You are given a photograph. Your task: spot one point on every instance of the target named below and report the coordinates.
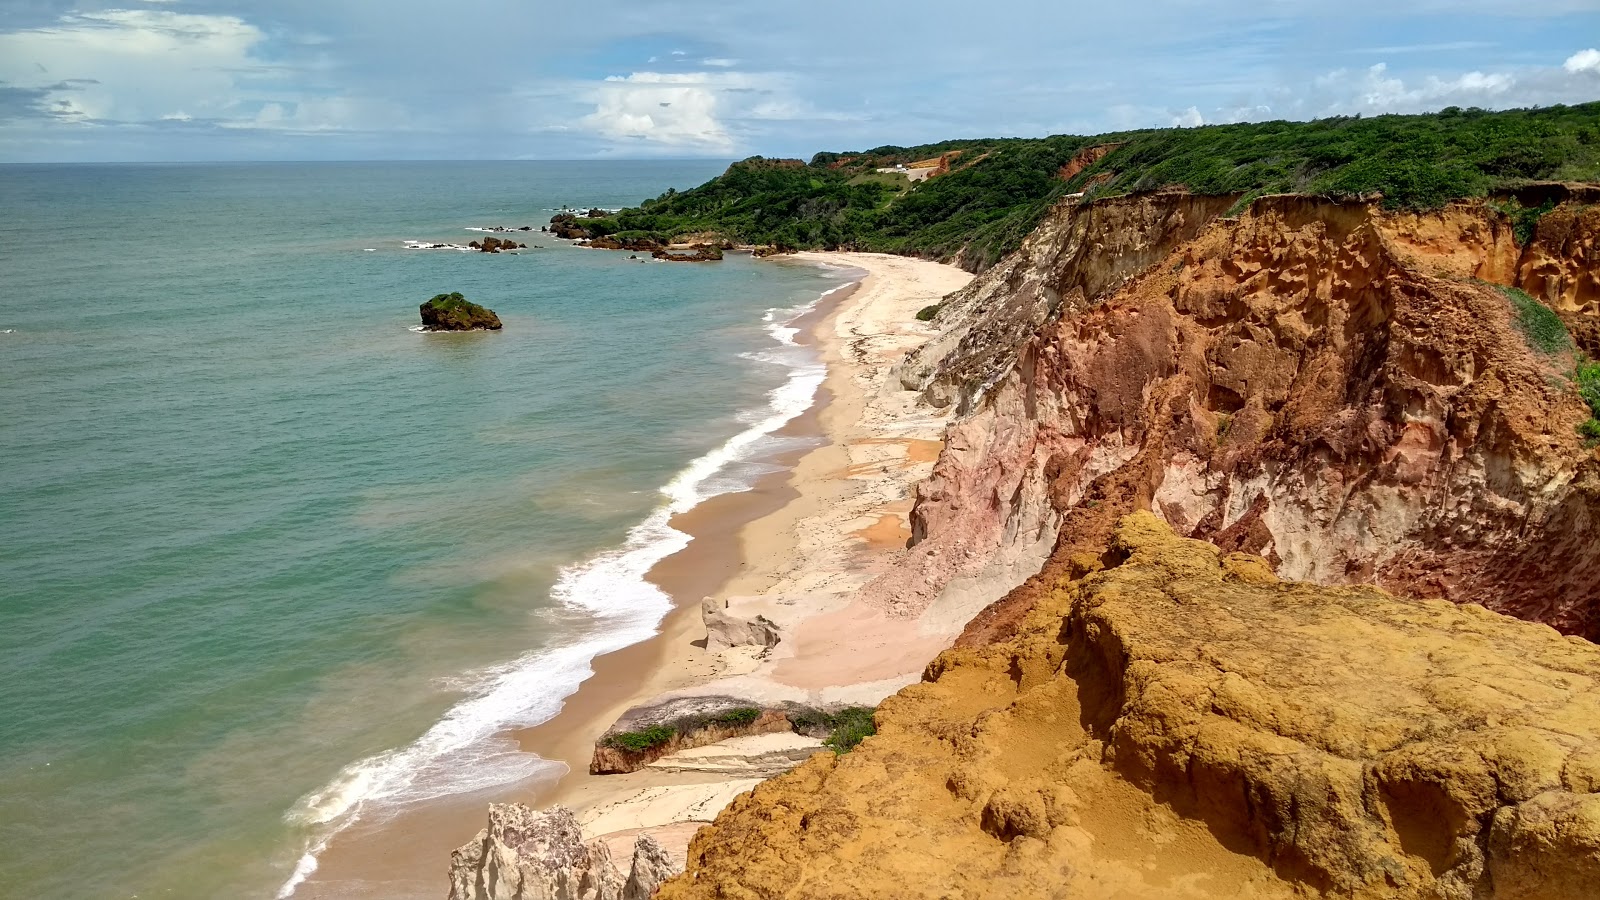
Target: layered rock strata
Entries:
(1335, 387)
(1184, 724)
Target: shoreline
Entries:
(736, 545)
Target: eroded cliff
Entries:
(1184, 724)
(1341, 389)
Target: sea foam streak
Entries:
(461, 752)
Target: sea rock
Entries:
(495, 245)
(1183, 724)
(725, 631)
(565, 225)
(453, 312)
(541, 855)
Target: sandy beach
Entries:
(796, 548)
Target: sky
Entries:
(187, 80)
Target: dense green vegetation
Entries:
(1588, 378)
(656, 735)
(1538, 323)
(742, 716)
(997, 190)
(643, 739)
(850, 727)
(843, 729)
(1546, 333)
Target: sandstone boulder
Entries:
(541, 855)
(725, 631)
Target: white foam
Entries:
(462, 752)
(434, 245)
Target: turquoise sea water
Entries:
(269, 559)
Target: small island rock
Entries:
(453, 312)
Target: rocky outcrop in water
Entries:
(495, 245)
(453, 312)
(566, 225)
(1173, 721)
(529, 855)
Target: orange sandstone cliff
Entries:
(1337, 388)
(1244, 511)
(1277, 548)
(1183, 724)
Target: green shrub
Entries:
(1538, 323)
(643, 739)
(1525, 219)
(742, 716)
(1588, 379)
(927, 313)
(850, 727)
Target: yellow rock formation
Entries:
(1182, 724)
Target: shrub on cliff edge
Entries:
(850, 727)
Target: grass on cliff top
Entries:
(643, 739)
(840, 731)
(998, 190)
(656, 735)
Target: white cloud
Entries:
(138, 66)
(133, 64)
(1583, 61)
(1376, 90)
(707, 112)
(1189, 118)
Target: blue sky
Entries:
(557, 79)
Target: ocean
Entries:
(271, 560)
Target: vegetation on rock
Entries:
(643, 739)
(850, 727)
(453, 312)
(996, 191)
(1538, 323)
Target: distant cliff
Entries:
(974, 201)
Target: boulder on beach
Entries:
(453, 312)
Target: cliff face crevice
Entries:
(1185, 724)
(1331, 386)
